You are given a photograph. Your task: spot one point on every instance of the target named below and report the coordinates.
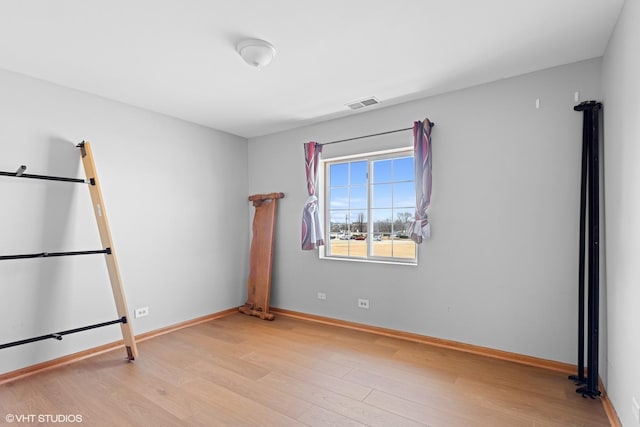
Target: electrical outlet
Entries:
(636, 409)
(322, 295)
(363, 303)
(141, 312)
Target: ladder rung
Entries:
(58, 335)
(55, 254)
(19, 174)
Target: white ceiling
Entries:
(178, 57)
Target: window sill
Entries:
(370, 261)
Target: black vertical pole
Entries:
(589, 118)
(594, 255)
(579, 378)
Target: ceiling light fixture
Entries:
(256, 53)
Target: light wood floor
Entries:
(242, 371)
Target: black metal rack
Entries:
(105, 237)
(589, 252)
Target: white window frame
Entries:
(324, 203)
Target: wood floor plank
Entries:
(177, 400)
(284, 403)
(498, 373)
(111, 402)
(303, 355)
(337, 385)
(316, 416)
(429, 400)
(243, 407)
(170, 367)
(447, 415)
(535, 404)
(184, 346)
(415, 391)
(334, 402)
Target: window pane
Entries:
(382, 220)
(339, 198)
(401, 222)
(358, 172)
(403, 169)
(381, 196)
(338, 221)
(339, 174)
(339, 246)
(382, 247)
(404, 248)
(358, 248)
(358, 221)
(381, 171)
(358, 197)
(404, 195)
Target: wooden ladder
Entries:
(110, 256)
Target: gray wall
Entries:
(175, 194)
(500, 270)
(621, 88)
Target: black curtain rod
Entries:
(369, 136)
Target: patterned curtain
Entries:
(312, 236)
(420, 229)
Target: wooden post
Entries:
(261, 258)
(110, 256)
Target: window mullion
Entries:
(347, 216)
(393, 209)
(369, 238)
(326, 197)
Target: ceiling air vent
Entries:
(363, 103)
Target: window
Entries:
(369, 205)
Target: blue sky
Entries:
(392, 187)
